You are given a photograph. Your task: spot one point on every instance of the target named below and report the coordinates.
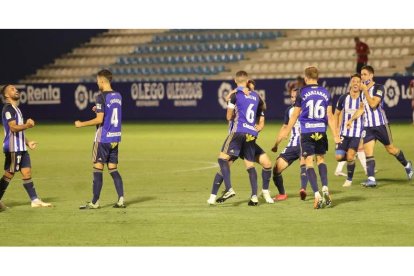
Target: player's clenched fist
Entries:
(30, 123)
(78, 124)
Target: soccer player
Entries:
(108, 135)
(376, 125)
(313, 107)
(290, 154)
(346, 107)
(242, 109)
(260, 155)
(15, 146)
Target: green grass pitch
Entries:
(168, 171)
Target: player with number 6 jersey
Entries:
(108, 120)
(242, 110)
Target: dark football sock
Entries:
(401, 158)
(97, 184)
(218, 179)
(253, 180)
(29, 186)
(119, 185)
(225, 172)
(323, 173)
(266, 175)
(310, 173)
(350, 166)
(4, 183)
(278, 180)
(303, 177)
(371, 166)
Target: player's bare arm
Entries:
(284, 132)
(337, 117)
(278, 139)
(332, 124)
(260, 124)
(16, 128)
(356, 115)
(31, 144)
(96, 121)
(373, 102)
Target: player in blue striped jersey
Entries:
(350, 130)
(290, 154)
(376, 126)
(108, 122)
(313, 107)
(15, 147)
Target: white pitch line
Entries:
(211, 166)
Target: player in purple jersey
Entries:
(108, 135)
(290, 154)
(242, 109)
(313, 107)
(260, 155)
(15, 147)
(350, 131)
(376, 126)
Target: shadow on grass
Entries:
(134, 201)
(348, 199)
(27, 202)
(392, 181)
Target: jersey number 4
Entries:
(114, 117)
(316, 111)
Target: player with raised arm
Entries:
(260, 155)
(108, 135)
(376, 126)
(313, 107)
(15, 146)
(242, 109)
(290, 154)
(350, 135)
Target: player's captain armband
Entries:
(230, 105)
(8, 115)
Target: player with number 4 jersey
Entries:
(108, 135)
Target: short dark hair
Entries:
(3, 89)
(242, 74)
(106, 74)
(251, 82)
(369, 68)
(356, 75)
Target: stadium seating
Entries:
(333, 51)
(135, 55)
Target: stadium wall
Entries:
(197, 100)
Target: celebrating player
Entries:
(313, 107)
(346, 107)
(289, 154)
(242, 109)
(260, 155)
(15, 147)
(108, 135)
(376, 126)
